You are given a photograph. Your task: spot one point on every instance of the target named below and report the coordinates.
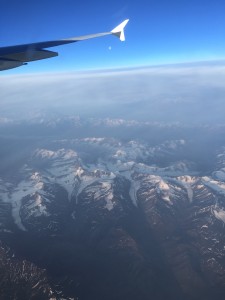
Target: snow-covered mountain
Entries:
(115, 214)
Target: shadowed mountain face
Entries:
(89, 210)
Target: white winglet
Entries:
(119, 30)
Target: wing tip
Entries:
(119, 30)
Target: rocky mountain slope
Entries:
(115, 218)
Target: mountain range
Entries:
(111, 209)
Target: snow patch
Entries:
(217, 186)
(15, 196)
(135, 186)
(163, 190)
(220, 175)
(106, 190)
(220, 215)
(187, 182)
(37, 207)
(61, 153)
(204, 226)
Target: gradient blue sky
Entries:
(159, 31)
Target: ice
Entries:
(220, 175)
(107, 186)
(63, 169)
(61, 153)
(163, 190)
(64, 175)
(37, 207)
(31, 186)
(135, 186)
(220, 215)
(93, 140)
(204, 226)
(187, 182)
(85, 182)
(217, 186)
(43, 153)
(175, 170)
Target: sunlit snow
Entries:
(220, 215)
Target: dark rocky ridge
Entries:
(110, 218)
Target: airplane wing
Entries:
(16, 56)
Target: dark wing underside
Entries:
(15, 56)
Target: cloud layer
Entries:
(191, 93)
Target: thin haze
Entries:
(190, 94)
(158, 32)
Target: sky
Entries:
(125, 80)
(159, 32)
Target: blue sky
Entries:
(159, 31)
